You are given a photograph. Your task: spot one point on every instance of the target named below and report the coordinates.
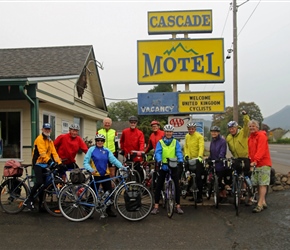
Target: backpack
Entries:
(132, 200)
(77, 176)
(12, 168)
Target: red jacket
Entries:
(153, 139)
(132, 139)
(67, 147)
(259, 149)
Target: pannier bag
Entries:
(77, 176)
(136, 156)
(132, 200)
(172, 162)
(12, 168)
(272, 176)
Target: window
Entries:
(10, 134)
(50, 118)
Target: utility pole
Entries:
(235, 64)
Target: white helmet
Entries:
(100, 137)
(168, 127)
(74, 126)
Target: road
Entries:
(280, 155)
(203, 228)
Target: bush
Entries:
(285, 141)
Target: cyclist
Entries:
(68, 145)
(194, 148)
(237, 141)
(260, 158)
(155, 136)
(218, 151)
(132, 139)
(111, 143)
(44, 155)
(167, 147)
(96, 161)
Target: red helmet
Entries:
(155, 123)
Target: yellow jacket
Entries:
(44, 150)
(194, 145)
(238, 144)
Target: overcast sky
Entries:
(113, 28)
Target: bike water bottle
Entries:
(105, 195)
(248, 181)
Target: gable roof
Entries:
(43, 62)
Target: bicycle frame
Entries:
(101, 205)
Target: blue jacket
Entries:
(158, 151)
(217, 150)
(98, 158)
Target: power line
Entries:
(249, 17)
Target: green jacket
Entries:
(238, 144)
(111, 135)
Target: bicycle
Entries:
(132, 200)
(189, 177)
(133, 160)
(212, 182)
(14, 190)
(237, 186)
(168, 193)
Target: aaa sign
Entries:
(180, 61)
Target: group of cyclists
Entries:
(102, 158)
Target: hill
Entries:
(280, 119)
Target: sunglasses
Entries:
(133, 122)
(100, 141)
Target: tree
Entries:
(121, 111)
(222, 120)
(162, 87)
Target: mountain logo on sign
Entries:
(174, 49)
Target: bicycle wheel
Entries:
(13, 192)
(194, 190)
(133, 176)
(153, 182)
(50, 198)
(170, 201)
(133, 201)
(77, 202)
(237, 194)
(216, 191)
(163, 197)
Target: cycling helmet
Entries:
(168, 127)
(191, 124)
(215, 128)
(74, 126)
(155, 123)
(232, 124)
(100, 137)
(133, 119)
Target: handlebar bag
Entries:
(77, 176)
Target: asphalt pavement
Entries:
(203, 228)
